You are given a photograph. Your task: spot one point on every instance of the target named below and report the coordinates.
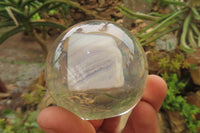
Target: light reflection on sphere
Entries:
(96, 69)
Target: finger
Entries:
(110, 125)
(96, 123)
(155, 91)
(59, 120)
(142, 120)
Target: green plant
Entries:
(184, 18)
(26, 122)
(34, 97)
(26, 15)
(13, 122)
(170, 62)
(19, 14)
(174, 101)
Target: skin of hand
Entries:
(143, 118)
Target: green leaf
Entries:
(38, 9)
(27, 2)
(177, 3)
(7, 24)
(36, 17)
(4, 4)
(137, 15)
(163, 23)
(13, 1)
(11, 33)
(22, 14)
(154, 23)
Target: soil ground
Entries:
(21, 60)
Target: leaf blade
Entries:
(10, 33)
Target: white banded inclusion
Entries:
(96, 70)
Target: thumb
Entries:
(60, 120)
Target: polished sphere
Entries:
(96, 69)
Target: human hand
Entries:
(143, 118)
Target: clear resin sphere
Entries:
(96, 70)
